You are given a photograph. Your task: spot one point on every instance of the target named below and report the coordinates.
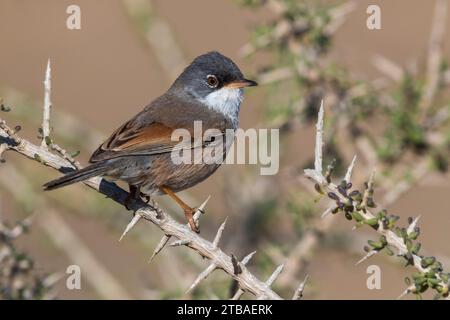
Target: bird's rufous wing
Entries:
(149, 139)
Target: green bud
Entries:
(420, 281)
(37, 157)
(417, 275)
(316, 186)
(357, 216)
(381, 214)
(371, 203)
(354, 193)
(437, 266)
(333, 196)
(445, 291)
(375, 244)
(445, 276)
(432, 282)
(357, 197)
(409, 259)
(75, 154)
(413, 235)
(5, 108)
(48, 140)
(427, 261)
(373, 222)
(415, 248)
(409, 244)
(407, 281)
(388, 251)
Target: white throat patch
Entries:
(226, 101)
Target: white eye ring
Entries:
(211, 81)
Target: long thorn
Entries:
(159, 247)
(348, 174)
(247, 258)
(130, 225)
(179, 243)
(201, 208)
(274, 275)
(202, 276)
(47, 105)
(407, 291)
(299, 292)
(319, 141)
(327, 212)
(367, 256)
(219, 233)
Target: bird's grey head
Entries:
(215, 81)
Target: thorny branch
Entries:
(63, 162)
(355, 206)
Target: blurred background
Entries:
(386, 98)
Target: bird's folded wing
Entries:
(133, 140)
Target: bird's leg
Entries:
(188, 211)
(146, 198)
(134, 194)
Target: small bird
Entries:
(209, 90)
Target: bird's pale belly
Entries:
(177, 177)
(153, 172)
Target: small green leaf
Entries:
(373, 222)
(388, 251)
(357, 216)
(427, 261)
(415, 248)
(75, 154)
(407, 281)
(48, 140)
(316, 186)
(5, 108)
(37, 157)
(375, 244)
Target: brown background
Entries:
(105, 73)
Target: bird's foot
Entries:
(145, 198)
(129, 200)
(189, 214)
(133, 195)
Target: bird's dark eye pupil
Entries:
(212, 81)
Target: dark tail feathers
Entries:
(93, 170)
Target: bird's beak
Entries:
(242, 83)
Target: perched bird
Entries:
(209, 90)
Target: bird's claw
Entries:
(189, 214)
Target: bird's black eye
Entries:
(212, 81)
